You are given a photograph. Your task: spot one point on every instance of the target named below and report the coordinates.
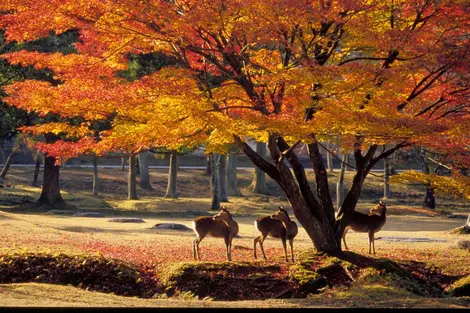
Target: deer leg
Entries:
(195, 254)
(263, 237)
(344, 238)
(285, 248)
(371, 242)
(257, 239)
(227, 246)
(291, 243)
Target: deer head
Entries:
(280, 215)
(224, 215)
(379, 209)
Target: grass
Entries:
(169, 251)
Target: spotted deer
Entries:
(220, 225)
(370, 224)
(278, 225)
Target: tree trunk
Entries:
(329, 159)
(131, 181)
(340, 183)
(144, 170)
(223, 178)
(387, 194)
(6, 167)
(215, 182)
(208, 165)
(429, 197)
(258, 185)
(37, 168)
(95, 176)
(172, 176)
(50, 194)
(232, 183)
(123, 164)
(467, 224)
(2, 156)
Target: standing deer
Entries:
(220, 225)
(278, 225)
(364, 223)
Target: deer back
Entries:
(270, 226)
(207, 225)
(361, 222)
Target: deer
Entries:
(370, 224)
(278, 225)
(220, 225)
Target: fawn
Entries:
(278, 225)
(364, 223)
(220, 225)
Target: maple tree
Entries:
(371, 77)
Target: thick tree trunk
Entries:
(340, 183)
(223, 178)
(50, 194)
(232, 182)
(6, 167)
(258, 185)
(215, 182)
(95, 176)
(144, 170)
(171, 191)
(131, 181)
(387, 194)
(37, 168)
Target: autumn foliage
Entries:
(371, 76)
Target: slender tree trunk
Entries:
(429, 197)
(340, 183)
(131, 182)
(172, 177)
(232, 183)
(208, 165)
(37, 168)
(387, 194)
(123, 164)
(223, 178)
(2, 154)
(467, 224)
(6, 167)
(258, 185)
(95, 176)
(50, 194)
(329, 158)
(215, 182)
(144, 170)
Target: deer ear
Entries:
(281, 208)
(224, 209)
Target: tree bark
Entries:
(232, 183)
(223, 178)
(467, 224)
(387, 194)
(6, 167)
(429, 197)
(2, 154)
(95, 176)
(37, 168)
(144, 170)
(171, 191)
(215, 182)
(340, 183)
(50, 194)
(258, 185)
(131, 181)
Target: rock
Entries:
(173, 226)
(459, 216)
(126, 220)
(61, 212)
(463, 244)
(88, 214)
